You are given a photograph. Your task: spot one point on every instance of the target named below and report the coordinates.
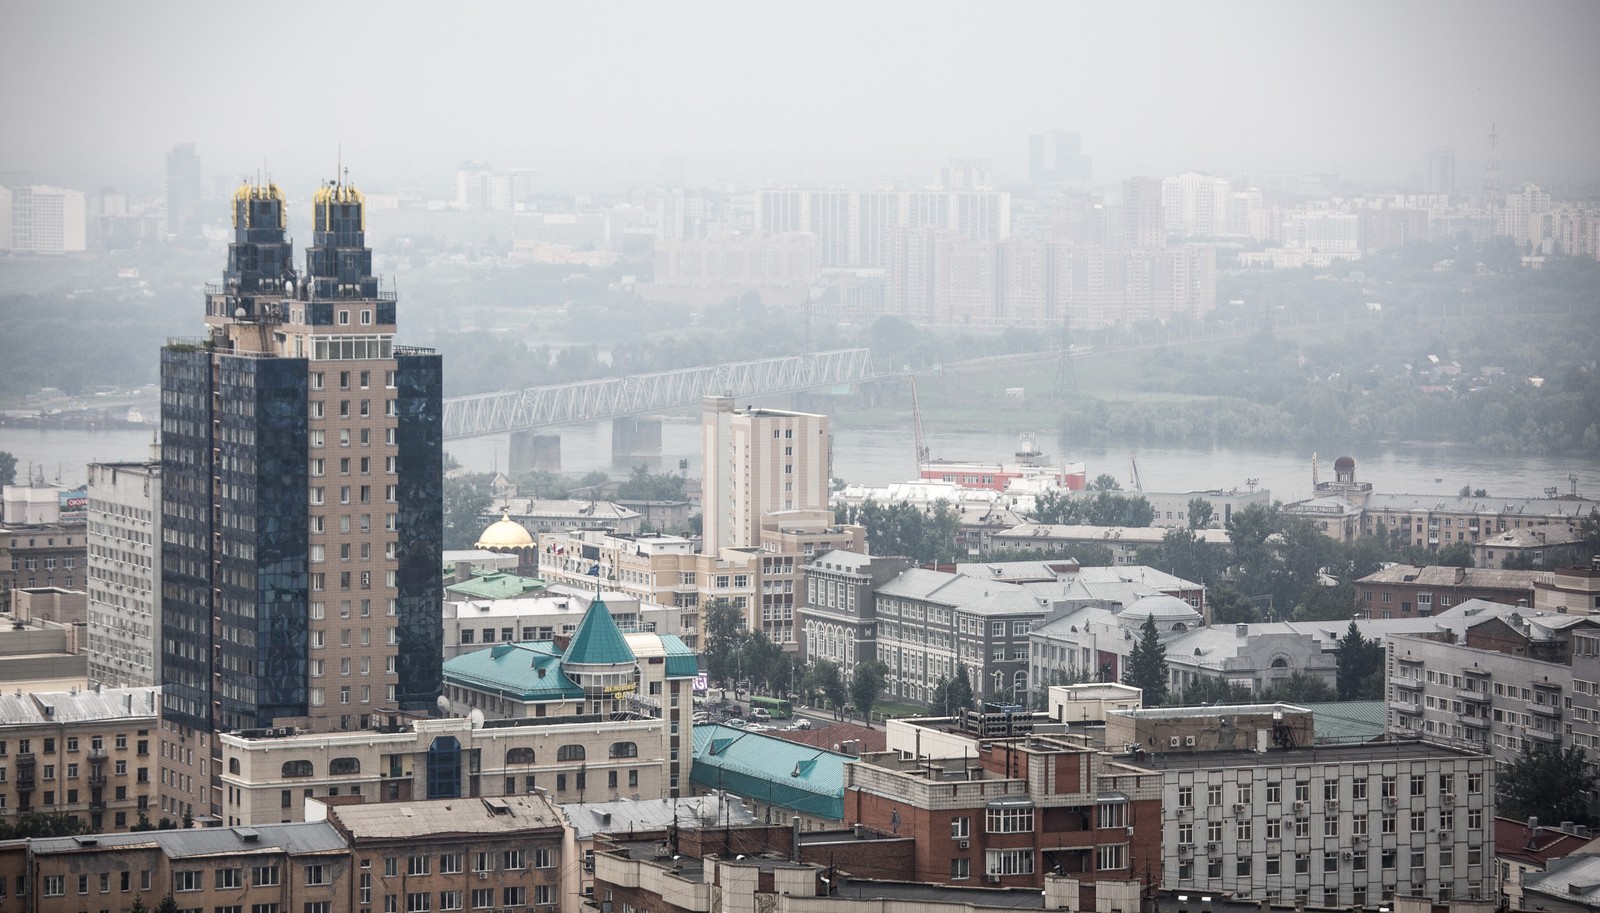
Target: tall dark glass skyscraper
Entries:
(301, 554)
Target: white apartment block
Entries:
(1509, 681)
(1333, 826)
(124, 574)
(1196, 205)
(759, 461)
(44, 220)
(855, 228)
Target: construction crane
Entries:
(916, 427)
(1133, 473)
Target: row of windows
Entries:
(1244, 793)
(1331, 827)
(72, 743)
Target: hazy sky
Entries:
(593, 94)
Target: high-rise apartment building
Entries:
(124, 574)
(1057, 157)
(758, 461)
(1196, 205)
(1442, 170)
(44, 220)
(1144, 219)
(301, 508)
(183, 192)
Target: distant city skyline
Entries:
(596, 100)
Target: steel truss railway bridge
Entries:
(585, 401)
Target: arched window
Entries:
(624, 750)
(1278, 662)
(297, 768)
(1020, 682)
(344, 766)
(519, 756)
(570, 753)
(233, 765)
(1179, 626)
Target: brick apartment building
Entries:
(1009, 811)
(1406, 591)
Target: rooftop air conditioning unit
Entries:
(1188, 741)
(992, 878)
(1174, 742)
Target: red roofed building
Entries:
(1524, 847)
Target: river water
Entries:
(879, 457)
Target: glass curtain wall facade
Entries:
(301, 568)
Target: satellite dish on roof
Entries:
(443, 703)
(475, 718)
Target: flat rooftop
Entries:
(1363, 751)
(691, 867)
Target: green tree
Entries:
(167, 905)
(1546, 782)
(1455, 554)
(1147, 665)
(644, 485)
(865, 686)
(1360, 672)
(1208, 690)
(8, 468)
(42, 824)
(724, 627)
(1184, 554)
(1326, 603)
(825, 677)
(138, 905)
(1200, 513)
(952, 695)
(466, 501)
(1300, 688)
(1229, 606)
(1105, 481)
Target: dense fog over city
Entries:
(596, 94)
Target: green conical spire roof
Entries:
(597, 642)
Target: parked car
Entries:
(760, 713)
(735, 722)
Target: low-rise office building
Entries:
(838, 612)
(1334, 825)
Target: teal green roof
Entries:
(765, 769)
(495, 585)
(682, 662)
(597, 642)
(523, 672)
(1347, 721)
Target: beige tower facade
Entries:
(758, 461)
